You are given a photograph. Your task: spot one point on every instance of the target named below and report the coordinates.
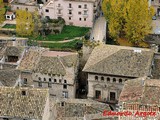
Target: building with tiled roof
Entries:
(24, 103)
(58, 72)
(141, 95)
(77, 109)
(109, 66)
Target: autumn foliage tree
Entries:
(129, 19)
(24, 23)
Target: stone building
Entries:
(109, 66)
(75, 12)
(155, 4)
(141, 95)
(58, 72)
(50, 69)
(24, 104)
(77, 109)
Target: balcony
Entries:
(70, 8)
(59, 14)
(59, 7)
(85, 15)
(70, 15)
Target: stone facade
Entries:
(155, 4)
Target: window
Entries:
(70, 5)
(65, 94)
(120, 80)
(97, 94)
(23, 92)
(17, 8)
(84, 19)
(46, 0)
(39, 78)
(79, 13)
(85, 6)
(44, 79)
(85, 12)
(65, 81)
(79, 19)
(47, 10)
(60, 80)
(59, 5)
(26, 9)
(69, 18)
(108, 79)
(62, 103)
(102, 78)
(50, 80)
(70, 12)
(25, 81)
(114, 79)
(79, 6)
(49, 85)
(112, 96)
(64, 86)
(96, 77)
(39, 84)
(55, 80)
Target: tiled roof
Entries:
(17, 105)
(9, 77)
(29, 60)
(77, 108)
(14, 51)
(142, 90)
(56, 63)
(120, 60)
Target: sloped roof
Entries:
(142, 90)
(14, 104)
(9, 77)
(29, 60)
(119, 60)
(53, 62)
(14, 51)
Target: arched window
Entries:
(120, 80)
(50, 80)
(102, 78)
(114, 79)
(108, 79)
(96, 77)
(44, 79)
(39, 78)
(55, 80)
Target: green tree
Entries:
(24, 23)
(129, 19)
(2, 11)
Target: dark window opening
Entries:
(62, 103)
(25, 81)
(49, 85)
(96, 77)
(55, 80)
(102, 78)
(120, 80)
(47, 10)
(23, 92)
(64, 86)
(79, 19)
(65, 81)
(39, 84)
(12, 58)
(70, 5)
(50, 80)
(79, 6)
(84, 19)
(69, 18)
(60, 80)
(39, 78)
(97, 94)
(108, 79)
(112, 96)
(44, 79)
(114, 79)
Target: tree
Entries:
(129, 19)
(138, 20)
(24, 23)
(2, 11)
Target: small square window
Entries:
(79, 6)
(47, 10)
(55, 80)
(50, 80)
(79, 13)
(69, 18)
(23, 92)
(65, 81)
(60, 80)
(79, 19)
(39, 84)
(84, 19)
